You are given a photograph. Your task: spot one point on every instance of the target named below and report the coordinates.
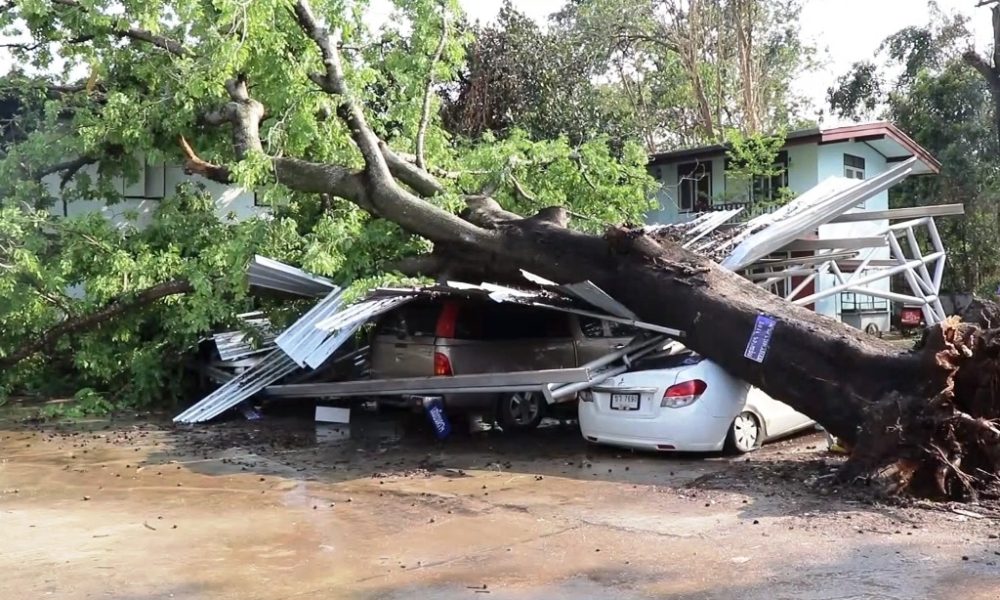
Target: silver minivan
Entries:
(464, 336)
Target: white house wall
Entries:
(142, 197)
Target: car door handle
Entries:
(618, 346)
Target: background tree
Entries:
(693, 69)
(926, 85)
(520, 75)
(666, 72)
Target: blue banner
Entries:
(438, 418)
(760, 338)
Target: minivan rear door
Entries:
(597, 337)
(403, 344)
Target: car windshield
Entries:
(667, 361)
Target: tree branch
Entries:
(134, 33)
(68, 168)
(385, 198)
(299, 175)
(115, 309)
(334, 82)
(977, 62)
(425, 111)
(418, 179)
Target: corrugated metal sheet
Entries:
(242, 387)
(586, 291)
(595, 296)
(302, 338)
(820, 205)
(690, 232)
(268, 273)
(361, 312)
(341, 325)
(233, 345)
(499, 293)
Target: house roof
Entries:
(883, 137)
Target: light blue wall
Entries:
(667, 194)
(831, 163)
(803, 174)
(808, 165)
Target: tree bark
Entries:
(990, 71)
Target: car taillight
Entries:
(683, 394)
(442, 366)
(447, 320)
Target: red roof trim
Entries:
(881, 129)
(862, 132)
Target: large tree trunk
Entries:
(924, 412)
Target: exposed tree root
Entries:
(946, 446)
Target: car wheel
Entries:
(521, 410)
(745, 434)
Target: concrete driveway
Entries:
(279, 510)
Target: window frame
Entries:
(690, 192)
(855, 165)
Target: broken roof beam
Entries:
(513, 380)
(857, 243)
(916, 212)
(803, 260)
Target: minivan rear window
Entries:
(672, 361)
(414, 319)
(505, 321)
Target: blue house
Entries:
(699, 180)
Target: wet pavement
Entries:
(278, 509)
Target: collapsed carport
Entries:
(318, 339)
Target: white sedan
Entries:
(683, 402)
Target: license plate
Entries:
(625, 401)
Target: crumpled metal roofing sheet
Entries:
(499, 293)
(810, 210)
(302, 337)
(233, 345)
(268, 273)
(688, 233)
(248, 383)
(342, 324)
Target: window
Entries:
(766, 188)
(418, 318)
(851, 302)
(506, 321)
(854, 167)
(695, 181)
(592, 328)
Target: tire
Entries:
(745, 434)
(521, 411)
(873, 330)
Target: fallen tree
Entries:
(921, 421)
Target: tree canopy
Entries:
(102, 88)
